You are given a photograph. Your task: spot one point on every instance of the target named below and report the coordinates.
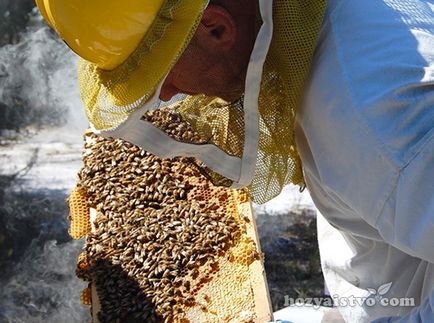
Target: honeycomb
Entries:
(82, 262)
(79, 216)
(86, 296)
(166, 245)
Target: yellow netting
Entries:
(296, 28)
(109, 96)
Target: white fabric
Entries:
(365, 133)
(252, 89)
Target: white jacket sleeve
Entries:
(365, 132)
(407, 219)
(422, 314)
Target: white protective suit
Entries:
(365, 133)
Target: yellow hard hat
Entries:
(102, 33)
(127, 47)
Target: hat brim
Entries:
(118, 92)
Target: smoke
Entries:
(38, 86)
(37, 258)
(40, 109)
(44, 287)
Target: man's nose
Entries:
(168, 90)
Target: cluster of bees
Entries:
(159, 231)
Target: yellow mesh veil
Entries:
(295, 33)
(110, 96)
(121, 92)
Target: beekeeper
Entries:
(338, 96)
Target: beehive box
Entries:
(163, 243)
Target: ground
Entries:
(289, 243)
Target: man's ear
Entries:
(217, 28)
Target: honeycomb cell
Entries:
(86, 296)
(82, 261)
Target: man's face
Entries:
(200, 72)
(187, 75)
(215, 61)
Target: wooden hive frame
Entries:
(230, 285)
